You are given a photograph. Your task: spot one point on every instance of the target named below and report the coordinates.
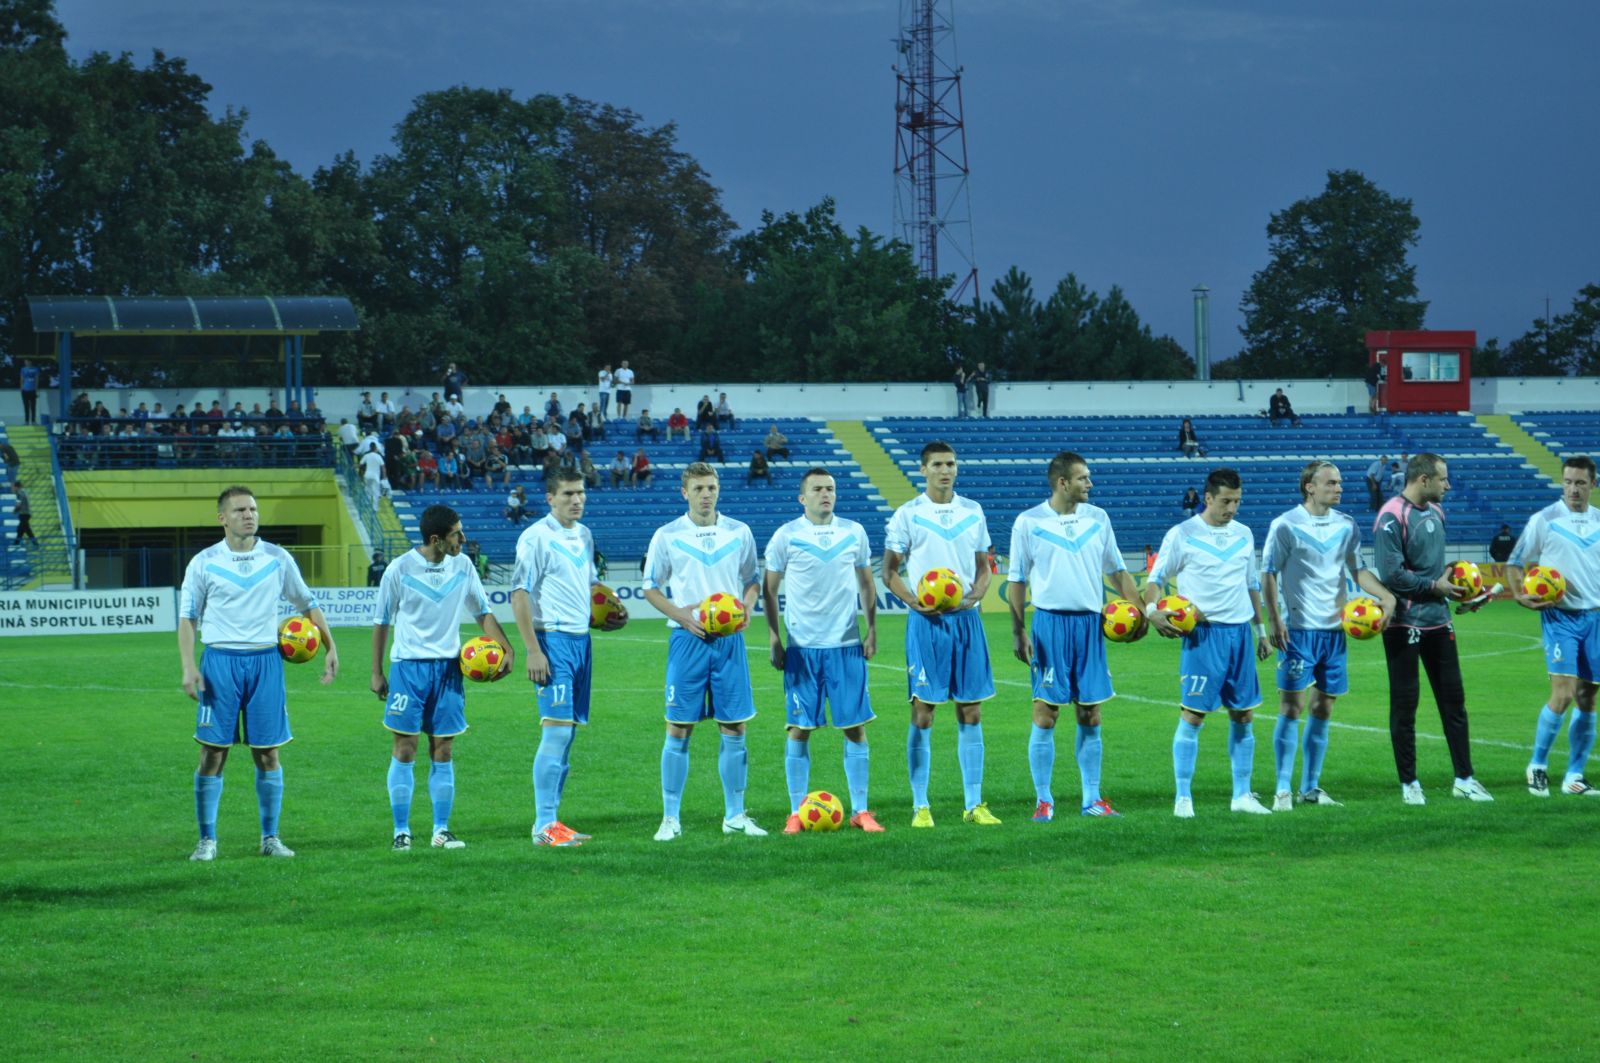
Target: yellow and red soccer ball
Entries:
(1544, 583)
(1119, 620)
(298, 639)
(821, 811)
(1466, 575)
(1361, 618)
(939, 589)
(603, 605)
(1183, 615)
(481, 658)
(721, 614)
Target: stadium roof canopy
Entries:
(260, 315)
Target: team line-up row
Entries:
(701, 572)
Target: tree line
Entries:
(535, 239)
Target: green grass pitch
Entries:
(1370, 931)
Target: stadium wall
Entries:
(860, 401)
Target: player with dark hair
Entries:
(947, 657)
(1213, 559)
(1410, 560)
(1062, 550)
(1311, 551)
(1564, 536)
(551, 593)
(421, 596)
(230, 597)
(824, 563)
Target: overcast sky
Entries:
(1142, 143)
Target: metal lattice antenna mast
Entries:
(932, 206)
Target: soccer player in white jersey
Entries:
(1310, 552)
(1061, 551)
(1565, 536)
(422, 596)
(230, 597)
(550, 595)
(824, 564)
(947, 657)
(1213, 559)
(691, 558)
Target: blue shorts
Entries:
(1217, 667)
(426, 696)
(566, 696)
(1572, 643)
(244, 702)
(1315, 657)
(708, 679)
(947, 658)
(837, 675)
(1069, 659)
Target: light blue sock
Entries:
(269, 795)
(1580, 739)
(1042, 761)
(442, 791)
(733, 765)
(969, 754)
(548, 769)
(855, 774)
(797, 770)
(1242, 754)
(207, 795)
(919, 752)
(402, 781)
(1185, 749)
(1089, 762)
(1316, 749)
(1544, 735)
(1285, 743)
(674, 773)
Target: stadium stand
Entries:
(1564, 432)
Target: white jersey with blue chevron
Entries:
(1063, 557)
(1569, 543)
(1215, 568)
(1311, 557)
(425, 603)
(821, 589)
(555, 565)
(929, 534)
(234, 597)
(688, 563)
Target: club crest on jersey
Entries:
(245, 564)
(947, 518)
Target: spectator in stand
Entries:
(375, 570)
(777, 445)
(24, 510)
(591, 475)
(959, 381)
(710, 446)
(474, 453)
(759, 469)
(386, 413)
(28, 378)
(448, 431)
(517, 505)
(479, 559)
(313, 416)
(454, 381)
(552, 464)
(980, 384)
(216, 413)
(410, 463)
(405, 422)
(372, 473)
(236, 416)
(1189, 441)
(449, 470)
(1278, 409)
(256, 413)
(623, 378)
(521, 452)
(1191, 501)
(574, 433)
(82, 407)
(620, 469)
(1501, 545)
(526, 418)
(552, 408)
(274, 412)
(1397, 478)
(642, 473)
(366, 414)
(678, 422)
(427, 469)
(1373, 376)
(646, 427)
(394, 449)
(1376, 475)
(603, 390)
(502, 409)
(705, 414)
(725, 417)
(580, 416)
(494, 465)
(141, 416)
(13, 462)
(179, 418)
(455, 408)
(554, 438)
